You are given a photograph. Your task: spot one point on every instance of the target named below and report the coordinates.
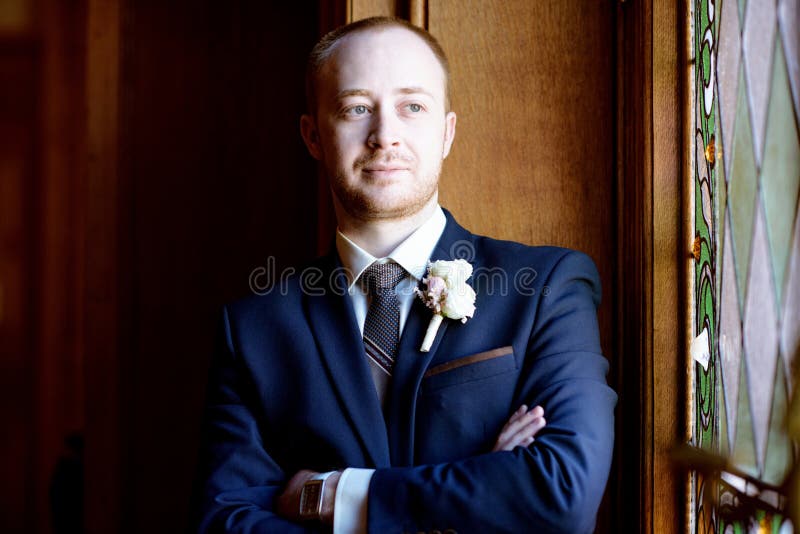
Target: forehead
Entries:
(382, 59)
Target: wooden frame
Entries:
(104, 288)
(650, 359)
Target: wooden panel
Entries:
(418, 13)
(196, 176)
(361, 9)
(19, 61)
(533, 159)
(103, 270)
(41, 155)
(214, 181)
(59, 203)
(415, 11)
(533, 156)
(632, 498)
(649, 496)
(16, 17)
(670, 255)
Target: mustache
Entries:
(383, 158)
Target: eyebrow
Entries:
(363, 92)
(414, 90)
(352, 92)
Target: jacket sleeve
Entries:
(556, 483)
(238, 481)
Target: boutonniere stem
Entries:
(430, 334)
(447, 294)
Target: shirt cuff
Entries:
(350, 503)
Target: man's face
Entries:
(381, 129)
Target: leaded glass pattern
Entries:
(746, 278)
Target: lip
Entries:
(386, 172)
(384, 168)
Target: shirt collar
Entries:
(412, 254)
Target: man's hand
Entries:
(520, 429)
(288, 504)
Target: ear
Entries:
(310, 133)
(449, 132)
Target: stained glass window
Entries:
(746, 279)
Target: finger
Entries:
(514, 441)
(516, 415)
(524, 433)
(530, 430)
(508, 427)
(537, 411)
(537, 424)
(512, 435)
(513, 428)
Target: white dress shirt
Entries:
(350, 506)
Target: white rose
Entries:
(456, 301)
(454, 272)
(459, 303)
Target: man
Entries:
(324, 412)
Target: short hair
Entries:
(323, 50)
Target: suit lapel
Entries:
(334, 325)
(411, 363)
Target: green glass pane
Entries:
(790, 315)
(779, 448)
(742, 7)
(730, 329)
(724, 445)
(728, 65)
(760, 335)
(744, 449)
(758, 44)
(742, 189)
(780, 172)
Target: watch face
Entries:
(311, 499)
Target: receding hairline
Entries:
(325, 48)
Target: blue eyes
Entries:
(361, 109)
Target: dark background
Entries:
(150, 159)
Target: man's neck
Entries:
(380, 237)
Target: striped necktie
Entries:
(382, 325)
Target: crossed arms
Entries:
(520, 430)
(553, 484)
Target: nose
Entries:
(384, 130)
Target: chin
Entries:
(375, 208)
(382, 201)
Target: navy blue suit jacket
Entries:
(290, 389)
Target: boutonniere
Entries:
(447, 294)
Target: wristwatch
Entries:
(311, 497)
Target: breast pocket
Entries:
(463, 404)
(469, 368)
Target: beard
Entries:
(370, 200)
